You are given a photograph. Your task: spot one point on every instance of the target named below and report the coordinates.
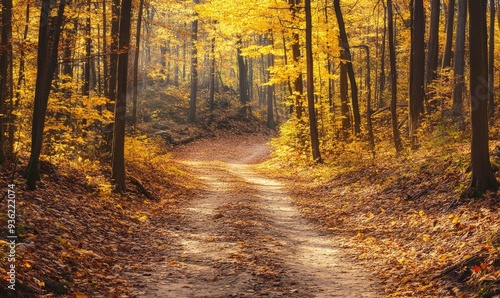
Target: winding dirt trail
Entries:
(243, 237)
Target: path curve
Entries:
(243, 236)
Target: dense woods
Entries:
(346, 85)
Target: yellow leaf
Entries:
(421, 213)
(143, 218)
(27, 265)
(426, 238)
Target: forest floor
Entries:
(242, 236)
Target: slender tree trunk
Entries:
(313, 126)
(105, 83)
(47, 63)
(433, 44)
(382, 62)
(270, 88)
(6, 85)
(344, 107)
(121, 99)
(394, 86)
(417, 68)
(459, 62)
(194, 68)
(211, 100)
(449, 34)
(346, 55)
(136, 63)
(482, 175)
(113, 58)
(243, 83)
(88, 53)
(491, 61)
(298, 84)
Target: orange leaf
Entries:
(476, 269)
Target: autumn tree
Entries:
(118, 163)
(482, 175)
(417, 67)
(6, 86)
(459, 61)
(394, 85)
(433, 43)
(346, 57)
(450, 18)
(313, 126)
(48, 45)
(136, 62)
(194, 68)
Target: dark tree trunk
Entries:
(243, 83)
(105, 83)
(344, 107)
(6, 86)
(88, 54)
(382, 61)
(449, 34)
(417, 68)
(313, 126)
(433, 44)
(211, 91)
(482, 175)
(394, 86)
(113, 58)
(46, 65)
(346, 56)
(459, 62)
(270, 95)
(298, 84)
(491, 62)
(121, 99)
(194, 69)
(136, 63)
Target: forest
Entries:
(264, 148)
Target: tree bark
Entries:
(313, 126)
(46, 65)
(482, 175)
(417, 68)
(194, 69)
(242, 75)
(6, 85)
(298, 84)
(394, 86)
(433, 44)
(449, 34)
(491, 62)
(136, 63)
(121, 99)
(459, 62)
(211, 99)
(346, 56)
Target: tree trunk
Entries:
(46, 65)
(88, 54)
(211, 100)
(298, 84)
(449, 34)
(113, 58)
(417, 68)
(6, 85)
(194, 68)
(136, 63)
(482, 175)
(243, 83)
(459, 62)
(344, 107)
(121, 99)
(491, 62)
(382, 62)
(433, 44)
(346, 56)
(394, 86)
(313, 126)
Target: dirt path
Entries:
(243, 237)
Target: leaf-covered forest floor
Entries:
(395, 222)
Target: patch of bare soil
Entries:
(243, 237)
